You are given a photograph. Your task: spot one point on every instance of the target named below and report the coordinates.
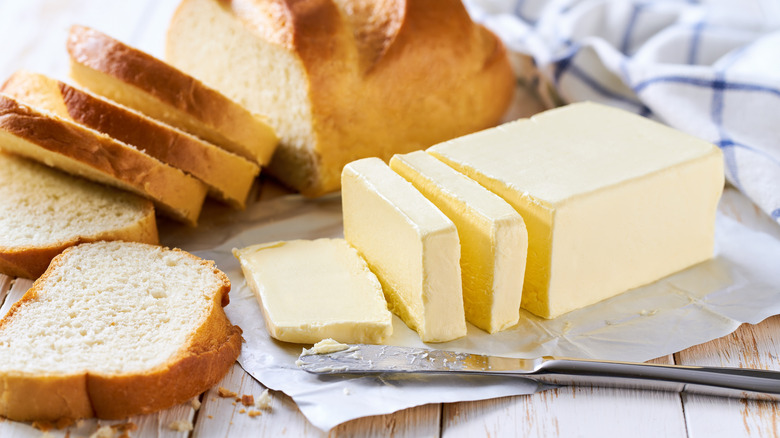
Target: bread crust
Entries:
(228, 176)
(29, 132)
(202, 361)
(223, 121)
(401, 77)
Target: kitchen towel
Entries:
(709, 68)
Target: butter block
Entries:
(409, 244)
(493, 239)
(611, 200)
(310, 290)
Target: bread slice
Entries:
(346, 79)
(43, 211)
(114, 329)
(228, 176)
(142, 82)
(68, 146)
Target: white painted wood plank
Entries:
(751, 346)
(569, 411)
(221, 417)
(422, 421)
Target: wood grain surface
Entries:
(34, 35)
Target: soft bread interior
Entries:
(265, 77)
(109, 308)
(40, 206)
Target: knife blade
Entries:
(384, 359)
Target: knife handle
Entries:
(728, 382)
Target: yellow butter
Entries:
(493, 239)
(310, 290)
(409, 244)
(611, 200)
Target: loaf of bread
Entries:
(140, 81)
(345, 79)
(114, 329)
(228, 176)
(60, 143)
(44, 211)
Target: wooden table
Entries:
(34, 33)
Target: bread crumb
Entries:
(241, 411)
(247, 399)
(124, 428)
(253, 413)
(195, 403)
(264, 401)
(238, 399)
(43, 426)
(104, 432)
(234, 403)
(181, 426)
(211, 417)
(225, 393)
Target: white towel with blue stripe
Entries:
(709, 68)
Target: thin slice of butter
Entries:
(409, 244)
(326, 346)
(493, 239)
(612, 200)
(310, 290)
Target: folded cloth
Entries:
(709, 68)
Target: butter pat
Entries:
(611, 200)
(409, 244)
(493, 239)
(311, 290)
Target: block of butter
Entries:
(493, 239)
(310, 290)
(611, 200)
(409, 244)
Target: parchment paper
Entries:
(740, 284)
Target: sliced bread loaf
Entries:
(68, 146)
(345, 79)
(228, 176)
(142, 82)
(114, 329)
(43, 211)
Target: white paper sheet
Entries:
(740, 284)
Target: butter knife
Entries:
(383, 359)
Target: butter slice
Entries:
(612, 200)
(311, 290)
(409, 244)
(493, 239)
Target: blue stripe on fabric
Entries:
(707, 83)
(731, 165)
(519, 6)
(723, 144)
(598, 88)
(625, 43)
(776, 214)
(693, 51)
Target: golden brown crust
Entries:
(208, 355)
(108, 160)
(229, 124)
(385, 77)
(228, 176)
